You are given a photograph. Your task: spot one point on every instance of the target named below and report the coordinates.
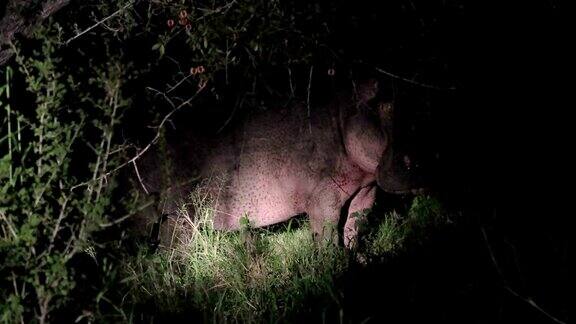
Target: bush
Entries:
(52, 198)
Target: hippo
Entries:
(299, 160)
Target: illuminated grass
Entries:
(391, 234)
(254, 275)
(248, 275)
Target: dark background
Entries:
(506, 146)
(487, 113)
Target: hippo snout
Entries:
(397, 174)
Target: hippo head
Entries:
(369, 141)
(395, 174)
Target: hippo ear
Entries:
(366, 91)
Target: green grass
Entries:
(253, 275)
(393, 232)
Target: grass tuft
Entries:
(391, 235)
(248, 275)
(255, 275)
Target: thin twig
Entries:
(58, 222)
(528, 300)
(494, 262)
(100, 22)
(9, 225)
(531, 302)
(412, 81)
(226, 62)
(178, 84)
(125, 217)
(113, 95)
(209, 12)
(290, 83)
(308, 98)
(152, 142)
(238, 104)
(139, 178)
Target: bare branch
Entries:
(154, 139)
(125, 217)
(98, 23)
(9, 225)
(139, 177)
(58, 223)
(528, 300)
(308, 98)
(412, 81)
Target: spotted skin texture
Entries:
(279, 165)
(282, 163)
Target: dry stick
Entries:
(178, 84)
(58, 222)
(99, 22)
(96, 167)
(209, 12)
(226, 62)
(290, 83)
(71, 249)
(43, 306)
(125, 217)
(153, 141)
(528, 300)
(9, 225)
(139, 178)
(239, 103)
(308, 98)
(40, 147)
(14, 284)
(108, 137)
(8, 113)
(412, 81)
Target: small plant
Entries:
(387, 237)
(391, 234)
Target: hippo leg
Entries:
(324, 222)
(362, 201)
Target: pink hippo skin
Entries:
(277, 165)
